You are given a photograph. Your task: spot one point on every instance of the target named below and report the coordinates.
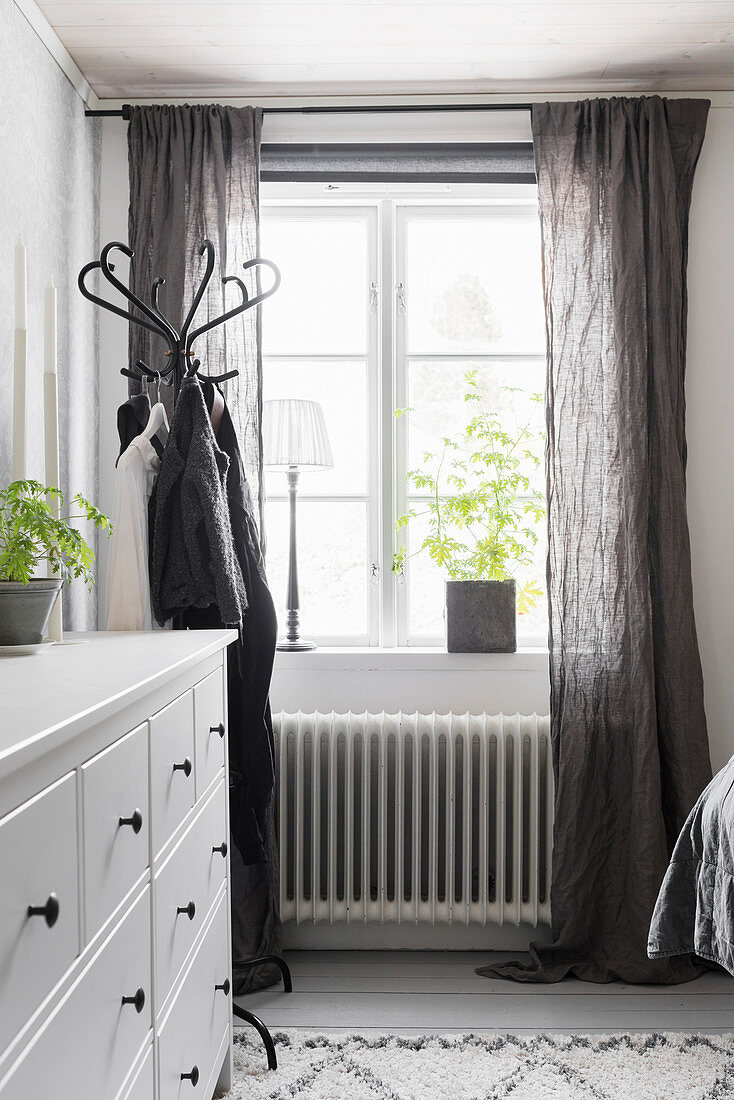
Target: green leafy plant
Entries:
(34, 528)
(480, 504)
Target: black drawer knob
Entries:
(184, 767)
(221, 848)
(193, 1076)
(49, 911)
(225, 987)
(135, 821)
(189, 910)
(138, 1000)
(217, 729)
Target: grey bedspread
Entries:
(694, 912)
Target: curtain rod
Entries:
(126, 109)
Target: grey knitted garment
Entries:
(192, 558)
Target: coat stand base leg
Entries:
(267, 1038)
(249, 1017)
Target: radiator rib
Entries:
(414, 818)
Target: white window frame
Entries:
(388, 207)
(370, 497)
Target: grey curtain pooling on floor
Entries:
(194, 175)
(630, 748)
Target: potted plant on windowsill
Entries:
(34, 530)
(480, 506)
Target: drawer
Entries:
(171, 768)
(87, 1047)
(115, 817)
(190, 877)
(143, 1086)
(200, 1016)
(38, 857)
(209, 723)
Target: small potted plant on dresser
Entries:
(480, 507)
(35, 529)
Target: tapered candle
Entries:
(51, 424)
(20, 356)
(51, 416)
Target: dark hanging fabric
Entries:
(192, 555)
(630, 749)
(254, 861)
(194, 174)
(132, 417)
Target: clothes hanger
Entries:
(158, 418)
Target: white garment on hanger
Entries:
(128, 582)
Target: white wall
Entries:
(49, 194)
(710, 393)
(327, 681)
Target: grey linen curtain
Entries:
(194, 174)
(630, 748)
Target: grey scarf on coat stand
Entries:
(194, 175)
(630, 749)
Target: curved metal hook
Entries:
(208, 247)
(158, 282)
(107, 268)
(245, 304)
(219, 377)
(95, 265)
(257, 262)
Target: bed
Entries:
(694, 912)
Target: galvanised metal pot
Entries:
(25, 610)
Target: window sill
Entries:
(409, 658)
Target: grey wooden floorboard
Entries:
(438, 992)
(471, 983)
(624, 1012)
(374, 1032)
(376, 971)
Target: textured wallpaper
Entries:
(49, 193)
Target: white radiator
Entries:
(431, 818)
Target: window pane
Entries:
(436, 398)
(341, 390)
(332, 565)
(426, 581)
(321, 306)
(473, 285)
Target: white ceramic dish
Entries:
(24, 650)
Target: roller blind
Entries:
(488, 162)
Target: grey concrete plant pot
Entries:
(25, 610)
(481, 616)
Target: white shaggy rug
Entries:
(314, 1066)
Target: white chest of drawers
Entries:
(115, 959)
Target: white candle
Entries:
(50, 394)
(20, 357)
(51, 425)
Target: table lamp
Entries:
(294, 439)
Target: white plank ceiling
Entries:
(163, 48)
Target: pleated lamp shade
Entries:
(294, 434)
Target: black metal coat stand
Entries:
(180, 363)
(179, 343)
